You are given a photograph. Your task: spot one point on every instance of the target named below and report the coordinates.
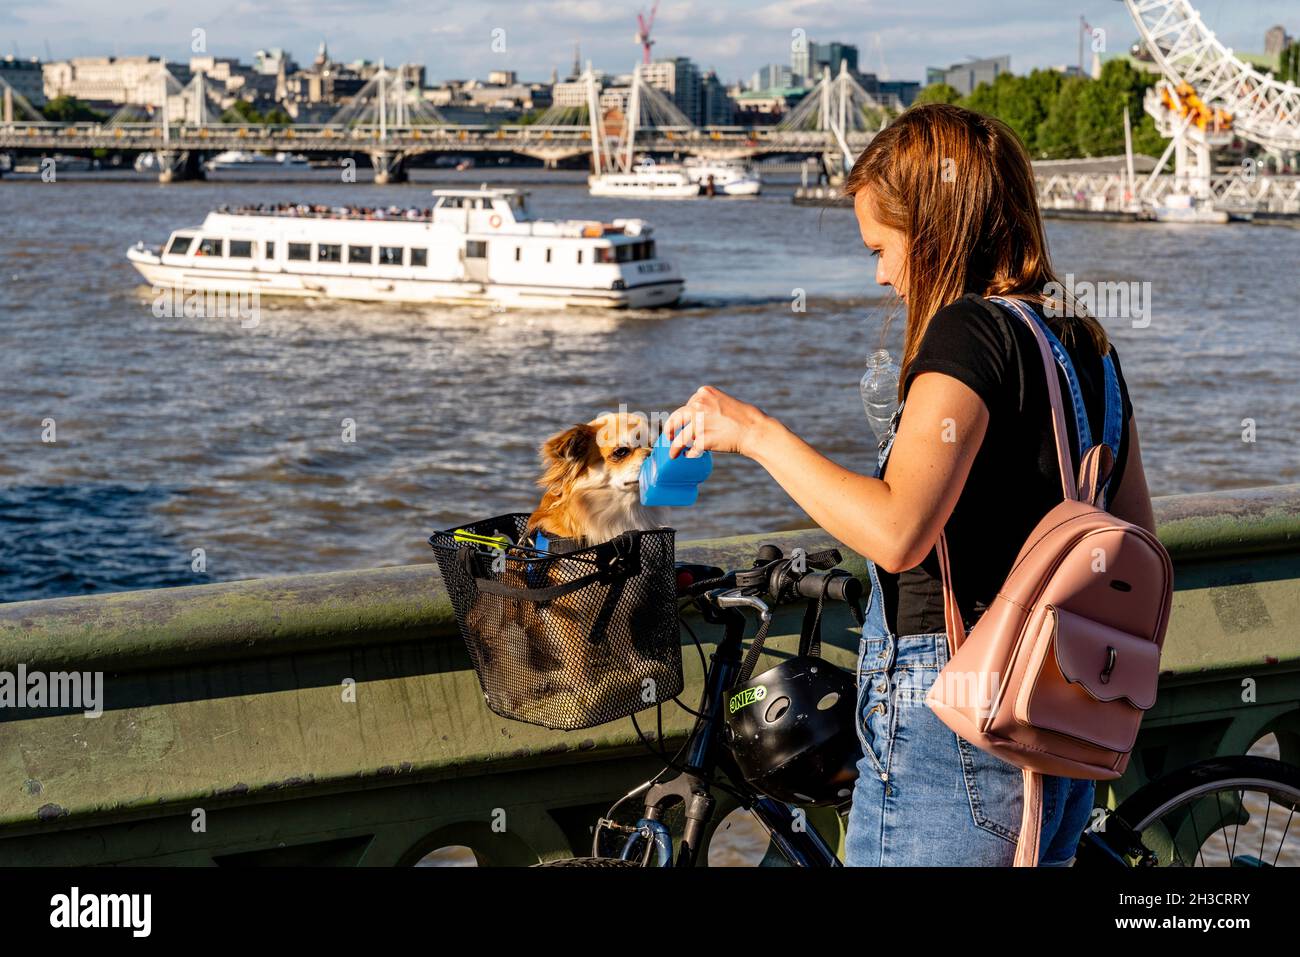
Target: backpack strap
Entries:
(951, 612)
(1049, 357)
(1112, 400)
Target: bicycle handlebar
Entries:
(774, 577)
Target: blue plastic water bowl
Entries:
(672, 482)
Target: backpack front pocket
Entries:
(1080, 667)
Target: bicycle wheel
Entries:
(1238, 811)
(589, 862)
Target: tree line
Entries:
(1065, 117)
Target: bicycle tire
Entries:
(589, 862)
(1277, 779)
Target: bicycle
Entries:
(1156, 826)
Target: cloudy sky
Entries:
(455, 38)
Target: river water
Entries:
(177, 434)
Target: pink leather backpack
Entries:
(1056, 674)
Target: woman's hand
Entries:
(712, 421)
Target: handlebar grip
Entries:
(842, 587)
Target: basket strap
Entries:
(467, 556)
(810, 634)
(755, 651)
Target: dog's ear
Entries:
(571, 445)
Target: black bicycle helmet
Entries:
(792, 731)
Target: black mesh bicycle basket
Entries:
(566, 639)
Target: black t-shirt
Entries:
(1014, 480)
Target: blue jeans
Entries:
(926, 797)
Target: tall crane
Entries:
(643, 28)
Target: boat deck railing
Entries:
(321, 211)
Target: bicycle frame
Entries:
(705, 753)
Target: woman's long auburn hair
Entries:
(960, 187)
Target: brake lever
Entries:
(738, 598)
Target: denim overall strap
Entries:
(1113, 428)
(875, 625)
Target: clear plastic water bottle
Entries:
(880, 391)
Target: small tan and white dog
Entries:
(591, 474)
(591, 481)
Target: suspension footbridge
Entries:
(389, 122)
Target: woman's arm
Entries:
(1132, 500)
(894, 521)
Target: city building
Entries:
(323, 82)
(717, 107)
(136, 80)
(774, 76)
(273, 62)
(24, 77)
(1276, 39)
(680, 79)
(897, 94)
(831, 55)
(765, 107)
(809, 61)
(964, 77)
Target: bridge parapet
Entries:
(334, 718)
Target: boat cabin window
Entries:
(329, 253)
(519, 254)
(518, 204)
(241, 249)
(360, 254)
(179, 245)
(604, 254)
(211, 247)
(579, 257)
(476, 249)
(548, 259)
(300, 252)
(390, 255)
(268, 250)
(419, 257)
(635, 252)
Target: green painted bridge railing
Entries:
(335, 719)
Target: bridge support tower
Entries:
(175, 166)
(390, 166)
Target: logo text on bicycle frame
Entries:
(746, 697)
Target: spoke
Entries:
(1282, 840)
(1264, 833)
(1236, 827)
(1191, 816)
(1218, 800)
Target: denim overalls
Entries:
(924, 796)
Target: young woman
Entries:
(946, 203)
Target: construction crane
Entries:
(643, 28)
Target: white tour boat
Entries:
(645, 181)
(472, 246)
(616, 169)
(730, 177)
(246, 160)
(1185, 208)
